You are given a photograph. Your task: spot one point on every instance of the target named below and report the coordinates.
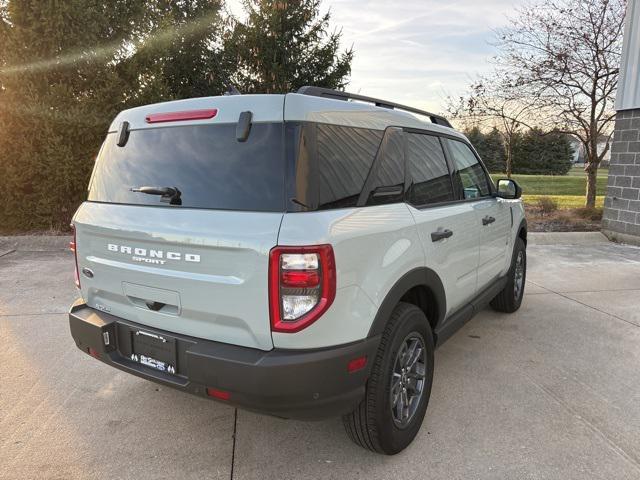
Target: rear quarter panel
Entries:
(373, 247)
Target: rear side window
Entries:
(430, 179)
(206, 163)
(345, 156)
(387, 175)
(474, 180)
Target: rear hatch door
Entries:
(179, 223)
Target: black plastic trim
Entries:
(444, 328)
(304, 384)
(457, 320)
(521, 227)
(415, 278)
(339, 95)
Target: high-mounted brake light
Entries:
(302, 286)
(73, 248)
(181, 116)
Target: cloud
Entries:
(416, 51)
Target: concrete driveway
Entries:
(552, 391)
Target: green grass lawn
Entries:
(574, 185)
(563, 201)
(579, 172)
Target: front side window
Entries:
(475, 183)
(430, 179)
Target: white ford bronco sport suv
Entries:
(299, 255)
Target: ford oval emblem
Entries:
(87, 272)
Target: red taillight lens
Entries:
(181, 116)
(73, 248)
(299, 279)
(302, 286)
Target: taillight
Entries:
(302, 285)
(72, 247)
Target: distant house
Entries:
(578, 150)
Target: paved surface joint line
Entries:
(589, 306)
(233, 448)
(594, 428)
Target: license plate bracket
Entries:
(154, 350)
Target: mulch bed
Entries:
(564, 220)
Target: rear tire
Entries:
(510, 298)
(399, 387)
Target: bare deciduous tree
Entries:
(489, 103)
(566, 55)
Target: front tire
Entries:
(510, 298)
(398, 390)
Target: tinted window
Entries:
(206, 163)
(430, 180)
(345, 156)
(388, 170)
(473, 177)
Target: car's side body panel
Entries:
(494, 224)
(373, 247)
(454, 259)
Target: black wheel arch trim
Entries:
(418, 277)
(523, 227)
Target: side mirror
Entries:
(509, 189)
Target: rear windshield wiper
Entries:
(169, 195)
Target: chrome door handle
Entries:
(487, 220)
(440, 235)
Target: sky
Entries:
(417, 52)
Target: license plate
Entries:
(155, 351)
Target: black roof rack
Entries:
(338, 95)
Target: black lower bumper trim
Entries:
(305, 384)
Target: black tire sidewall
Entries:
(392, 438)
(518, 247)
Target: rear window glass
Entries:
(345, 156)
(389, 169)
(206, 163)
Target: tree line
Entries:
(556, 69)
(68, 67)
(533, 152)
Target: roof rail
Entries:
(338, 95)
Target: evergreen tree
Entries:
(490, 148)
(180, 56)
(540, 153)
(284, 45)
(66, 69)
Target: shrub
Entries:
(547, 205)
(587, 213)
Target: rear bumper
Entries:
(304, 384)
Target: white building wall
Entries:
(628, 96)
